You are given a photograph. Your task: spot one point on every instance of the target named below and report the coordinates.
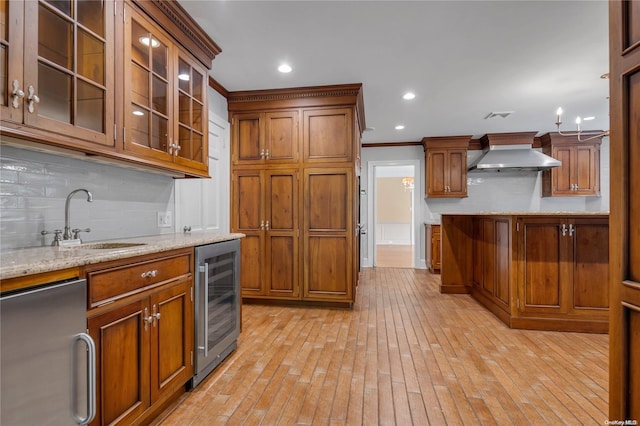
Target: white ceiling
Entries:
(463, 59)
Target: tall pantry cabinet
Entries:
(295, 156)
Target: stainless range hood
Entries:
(511, 151)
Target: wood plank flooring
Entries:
(394, 256)
(404, 355)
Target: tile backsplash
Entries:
(34, 186)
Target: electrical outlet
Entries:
(164, 219)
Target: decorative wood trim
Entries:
(446, 142)
(26, 281)
(218, 87)
(174, 19)
(556, 138)
(516, 138)
(391, 144)
(296, 93)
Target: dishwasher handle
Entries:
(91, 379)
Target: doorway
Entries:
(392, 206)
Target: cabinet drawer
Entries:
(123, 280)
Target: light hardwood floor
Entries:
(404, 355)
(394, 256)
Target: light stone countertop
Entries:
(35, 260)
(549, 213)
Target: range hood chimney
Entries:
(511, 151)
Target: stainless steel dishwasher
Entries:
(47, 359)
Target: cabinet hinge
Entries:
(191, 358)
(518, 303)
(124, 13)
(517, 226)
(124, 134)
(191, 294)
(115, 131)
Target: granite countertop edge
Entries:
(549, 213)
(36, 260)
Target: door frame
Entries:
(371, 203)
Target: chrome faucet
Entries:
(67, 227)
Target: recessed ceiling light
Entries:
(285, 68)
(399, 127)
(409, 96)
(588, 118)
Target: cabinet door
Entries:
(191, 123)
(590, 282)
(281, 251)
(11, 51)
(148, 105)
(122, 358)
(328, 234)
(587, 170)
(457, 173)
(247, 217)
(281, 137)
(68, 80)
(171, 338)
(435, 247)
(502, 243)
(488, 256)
(544, 263)
(562, 177)
(246, 137)
(328, 135)
(436, 172)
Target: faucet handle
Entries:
(57, 237)
(76, 232)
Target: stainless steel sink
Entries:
(104, 246)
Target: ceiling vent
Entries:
(503, 114)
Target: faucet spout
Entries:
(67, 226)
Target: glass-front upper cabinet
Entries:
(54, 72)
(192, 120)
(165, 118)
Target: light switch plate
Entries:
(164, 219)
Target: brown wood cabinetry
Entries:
(65, 86)
(266, 203)
(446, 162)
(432, 239)
(143, 333)
(59, 85)
(294, 177)
(534, 271)
(265, 137)
(624, 334)
(564, 266)
(580, 171)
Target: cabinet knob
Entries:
(32, 99)
(267, 225)
(262, 225)
(266, 154)
(16, 93)
(262, 154)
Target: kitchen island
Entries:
(544, 271)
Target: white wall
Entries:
(488, 192)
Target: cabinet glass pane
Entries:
(90, 57)
(184, 76)
(185, 143)
(4, 18)
(185, 112)
(91, 15)
(197, 84)
(63, 6)
(4, 83)
(139, 50)
(159, 91)
(159, 133)
(197, 116)
(196, 147)
(56, 89)
(140, 125)
(90, 113)
(160, 54)
(55, 38)
(140, 85)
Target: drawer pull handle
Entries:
(148, 274)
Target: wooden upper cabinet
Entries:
(165, 113)
(58, 81)
(265, 137)
(446, 162)
(328, 135)
(579, 174)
